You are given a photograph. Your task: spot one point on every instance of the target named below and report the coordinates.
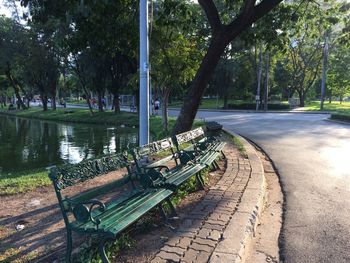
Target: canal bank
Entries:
(28, 146)
(32, 140)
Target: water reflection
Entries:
(29, 144)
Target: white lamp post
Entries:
(144, 75)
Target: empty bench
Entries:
(202, 153)
(151, 182)
(203, 149)
(85, 213)
(163, 173)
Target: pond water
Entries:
(27, 144)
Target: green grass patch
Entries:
(189, 186)
(234, 104)
(90, 254)
(343, 107)
(341, 116)
(23, 182)
(236, 141)
(78, 116)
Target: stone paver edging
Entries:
(242, 226)
(219, 228)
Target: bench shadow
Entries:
(43, 238)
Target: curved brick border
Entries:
(242, 225)
(219, 228)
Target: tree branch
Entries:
(212, 14)
(250, 14)
(248, 5)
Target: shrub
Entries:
(252, 106)
(341, 116)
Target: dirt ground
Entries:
(32, 228)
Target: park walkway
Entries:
(220, 226)
(216, 229)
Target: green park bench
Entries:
(151, 183)
(86, 214)
(190, 161)
(161, 173)
(203, 149)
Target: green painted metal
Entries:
(92, 216)
(156, 184)
(68, 175)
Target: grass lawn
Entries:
(216, 104)
(28, 180)
(334, 106)
(207, 103)
(78, 116)
(23, 182)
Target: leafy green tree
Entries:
(175, 48)
(44, 72)
(338, 81)
(12, 56)
(105, 31)
(242, 15)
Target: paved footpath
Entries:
(219, 227)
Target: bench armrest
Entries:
(151, 177)
(158, 168)
(187, 156)
(83, 211)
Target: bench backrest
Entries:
(189, 136)
(141, 154)
(72, 174)
(68, 175)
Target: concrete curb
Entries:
(242, 226)
(337, 121)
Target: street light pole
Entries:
(144, 75)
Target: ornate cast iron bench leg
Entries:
(216, 166)
(102, 251)
(173, 214)
(200, 181)
(223, 155)
(69, 246)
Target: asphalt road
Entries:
(312, 157)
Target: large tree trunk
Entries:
(266, 97)
(222, 35)
(100, 105)
(116, 104)
(202, 78)
(53, 102)
(44, 101)
(23, 92)
(53, 95)
(324, 72)
(15, 87)
(165, 100)
(301, 98)
(259, 74)
(83, 85)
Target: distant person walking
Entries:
(156, 106)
